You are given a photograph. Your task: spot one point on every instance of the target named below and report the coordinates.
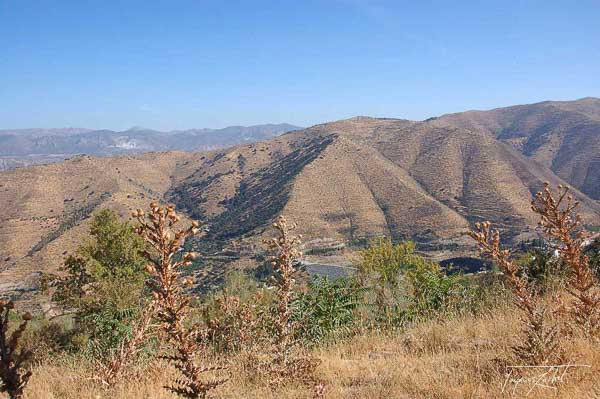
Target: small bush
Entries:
(544, 271)
(234, 317)
(327, 307)
(103, 283)
(432, 293)
(380, 268)
(108, 327)
(234, 321)
(49, 337)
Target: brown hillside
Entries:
(343, 182)
(361, 177)
(561, 135)
(44, 207)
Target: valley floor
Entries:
(460, 358)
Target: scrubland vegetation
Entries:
(403, 327)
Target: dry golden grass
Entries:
(541, 334)
(461, 358)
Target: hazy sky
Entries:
(182, 64)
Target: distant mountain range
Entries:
(23, 147)
(343, 182)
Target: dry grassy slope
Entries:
(467, 171)
(563, 136)
(459, 358)
(335, 188)
(240, 190)
(202, 184)
(352, 191)
(45, 207)
(363, 177)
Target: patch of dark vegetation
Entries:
(143, 188)
(262, 195)
(324, 251)
(241, 162)
(189, 196)
(393, 227)
(465, 264)
(437, 246)
(216, 158)
(259, 197)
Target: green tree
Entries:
(433, 293)
(408, 286)
(380, 268)
(104, 281)
(327, 307)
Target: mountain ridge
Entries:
(344, 182)
(31, 146)
(561, 135)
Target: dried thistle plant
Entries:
(284, 365)
(542, 337)
(319, 391)
(559, 221)
(235, 326)
(13, 376)
(111, 368)
(171, 303)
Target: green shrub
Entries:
(408, 287)
(433, 293)
(327, 307)
(543, 270)
(379, 269)
(104, 282)
(106, 328)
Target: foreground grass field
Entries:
(401, 328)
(460, 358)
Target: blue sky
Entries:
(183, 64)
